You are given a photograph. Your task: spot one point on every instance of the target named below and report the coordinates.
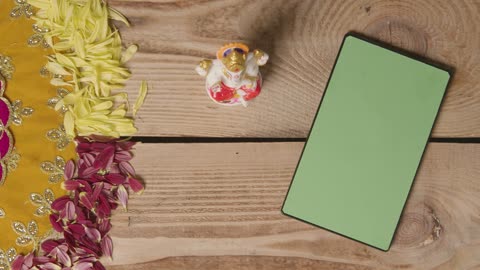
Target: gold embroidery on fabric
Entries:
(37, 38)
(6, 258)
(42, 202)
(6, 66)
(11, 161)
(52, 102)
(27, 235)
(2, 213)
(44, 72)
(55, 169)
(40, 30)
(22, 8)
(18, 112)
(4, 176)
(59, 136)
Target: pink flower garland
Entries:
(98, 183)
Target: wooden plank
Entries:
(217, 206)
(303, 38)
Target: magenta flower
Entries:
(105, 162)
(59, 256)
(98, 182)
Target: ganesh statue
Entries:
(234, 77)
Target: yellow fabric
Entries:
(30, 140)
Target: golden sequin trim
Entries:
(6, 67)
(59, 136)
(54, 168)
(44, 72)
(18, 112)
(52, 102)
(11, 160)
(22, 7)
(27, 234)
(42, 202)
(7, 258)
(37, 38)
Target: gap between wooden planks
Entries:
(303, 38)
(217, 206)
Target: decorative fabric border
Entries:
(87, 64)
(9, 113)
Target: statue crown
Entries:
(227, 48)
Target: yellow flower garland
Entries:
(89, 58)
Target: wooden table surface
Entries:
(216, 176)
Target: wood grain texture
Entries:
(303, 38)
(217, 206)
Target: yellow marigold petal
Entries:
(55, 68)
(128, 54)
(88, 53)
(69, 123)
(79, 45)
(141, 97)
(117, 16)
(103, 106)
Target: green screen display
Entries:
(366, 142)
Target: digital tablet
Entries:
(366, 142)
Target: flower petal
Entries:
(42, 260)
(122, 195)
(104, 226)
(127, 168)
(77, 230)
(97, 189)
(70, 185)
(83, 266)
(63, 257)
(135, 185)
(88, 158)
(93, 234)
(104, 209)
(85, 200)
(49, 245)
(141, 98)
(123, 156)
(88, 171)
(126, 145)
(98, 266)
(69, 169)
(107, 246)
(18, 263)
(105, 158)
(59, 203)
(50, 266)
(69, 124)
(29, 259)
(69, 211)
(55, 224)
(116, 179)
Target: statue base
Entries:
(229, 96)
